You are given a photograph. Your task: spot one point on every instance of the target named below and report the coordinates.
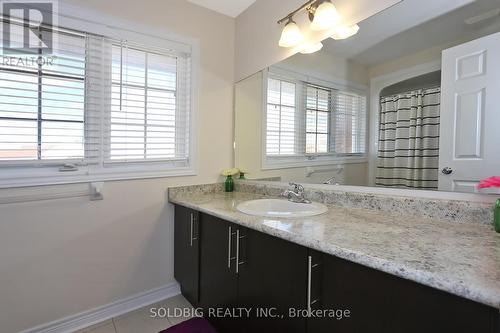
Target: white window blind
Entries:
(42, 105)
(307, 122)
(149, 106)
(280, 119)
(348, 124)
(318, 109)
(102, 105)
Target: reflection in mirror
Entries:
(414, 106)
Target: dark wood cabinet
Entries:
(382, 303)
(218, 276)
(186, 252)
(242, 268)
(223, 266)
(422, 309)
(355, 294)
(272, 278)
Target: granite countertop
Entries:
(460, 258)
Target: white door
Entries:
(469, 140)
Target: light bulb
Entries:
(291, 35)
(325, 16)
(311, 48)
(345, 31)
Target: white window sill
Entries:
(284, 163)
(51, 177)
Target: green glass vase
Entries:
(496, 216)
(229, 184)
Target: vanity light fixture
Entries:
(311, 48)
(291, 34)
(345, 31)
(325, 15)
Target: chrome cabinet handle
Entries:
(237, 251)
(309, 283)
(297, 187)
(238, 262)
(230, 233)
(191, 232)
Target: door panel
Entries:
(470, 116)
(471, 65)
(186, 252)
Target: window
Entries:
(42, 106)
(100, 107)
(308, 123)
(281, 113)
(349, 124)
(145, 122)
(318, 106)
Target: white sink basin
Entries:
(280, 208)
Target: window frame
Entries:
(308, 160)
(31, 173)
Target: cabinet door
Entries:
(186, 252)
(218, 278)
(357, 295)
(380, 302)
(419, 308)
(273, 277)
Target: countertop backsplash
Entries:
(437, 209)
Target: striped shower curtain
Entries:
(408, 150)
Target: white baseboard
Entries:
(88, 318)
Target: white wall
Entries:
(323, 65)
(61, 257)
(428, 55)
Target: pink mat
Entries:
(194, 325)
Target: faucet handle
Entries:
(297, 187)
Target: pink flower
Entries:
(490, 182)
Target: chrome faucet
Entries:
(295, 195)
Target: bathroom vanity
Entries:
(393, 131)
(377, 271)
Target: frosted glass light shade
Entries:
(311, 48)
(345, 31)
(291, 35)
(325, 16)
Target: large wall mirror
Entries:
(410, 101)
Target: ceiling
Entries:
(412, 26)
(230, 8)
(444, 31)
